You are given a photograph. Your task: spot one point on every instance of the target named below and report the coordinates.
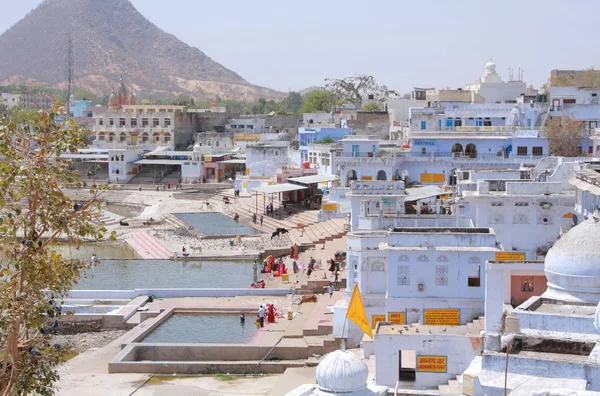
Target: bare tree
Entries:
(352, 90)
(564, 136)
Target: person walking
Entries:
(261, 316)
(140, 188)
(261, 220)
(330, 290)
(254, 218)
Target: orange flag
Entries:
(356, 312)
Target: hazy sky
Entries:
(438, 43)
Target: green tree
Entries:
(293, 103)
(327, 140)
(371, 106)
(35, 212)
(184, 100)
(319, 100)
(20, 115)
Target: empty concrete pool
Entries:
(203, 328)
(216, 224)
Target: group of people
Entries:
(258, 284)
(254, 219)
(267, 310)
(273, 265)
(166, 186)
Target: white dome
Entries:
(490, 67)
(342, 372)
(197, 147)
(572, 265)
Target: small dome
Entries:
(571, 265)
(342, 372)
(490, 66)
(197, 147)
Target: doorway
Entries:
(407, 363)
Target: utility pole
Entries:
(69, 65)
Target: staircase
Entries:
(148, 247)
(108, 218)
(454, 387)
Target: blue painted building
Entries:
(78, 107)
(308, 136)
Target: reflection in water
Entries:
(195, 328)
(165, 274)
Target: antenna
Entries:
(69, 65)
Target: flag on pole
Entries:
(356, 312)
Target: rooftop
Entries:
(440, 230)
(471, 329)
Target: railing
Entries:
(434, 155)
(360, 154)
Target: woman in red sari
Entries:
(270, 313)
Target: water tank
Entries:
(306, 165)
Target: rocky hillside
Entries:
(110, 38)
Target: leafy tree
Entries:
(564, 136)
(371, 106)
(34, 213)
(352, 90)
(319, 100)
(293, 103)
(20, 115)
(327, 140)
(184, 100)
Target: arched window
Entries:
(471, 150)
(381, 175)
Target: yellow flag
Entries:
(356, 312)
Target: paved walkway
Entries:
(148, 247)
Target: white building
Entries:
(11, 100)
(313, 120)
(587, 183)
(245, 125)
(263, 159)
(409, 275)
(554, 338)
(213, 142)
(491, 86)
(527, 215)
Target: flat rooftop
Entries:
(438, 230)
(471, 329)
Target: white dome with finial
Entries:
(490, 75)
(342, 372)
(571, 265)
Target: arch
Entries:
(381, 175)
(352, 175)
(397, 174)
(167, 137)
(111, 137)
(101, 136)
(155, 137)
(457, 148)
(145, 137)
(122, 137)
(471, 150)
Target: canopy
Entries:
(312, 179)
(417, 193)
(277, 188)
(233, 161)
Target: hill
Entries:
(111, 38)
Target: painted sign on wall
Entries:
(432, 364)
(329, 206)
(423, 142)
(377, 318)
(432, 177)
(441, 317)
(510, 256)
(397, 318)
(366, 178)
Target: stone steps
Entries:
(146, 246)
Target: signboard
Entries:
(247, 171)
(423, 142)
(441, 317)
(397, 318)
(432, 177)
(366, 178)
(329, 206)
(245, 185)
(432, 364)
(377, 318)
(510, 256)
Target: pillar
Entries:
(494, 297)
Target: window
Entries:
(449, 123)
(155, 122)
(311, 121)
(167, 122)
(122, 137)
(111, 122)
(423, 151)
(122, 122)
(457, 123)
(538, 151)
(487, 122)
(423, 125)
(569, 101)
(234, 126)
(240, 127)
(133, 122)
(100, 121)
(144, 122)
(521, 150)
(250, 126)
(474, 282)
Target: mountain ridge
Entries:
(111, 38)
